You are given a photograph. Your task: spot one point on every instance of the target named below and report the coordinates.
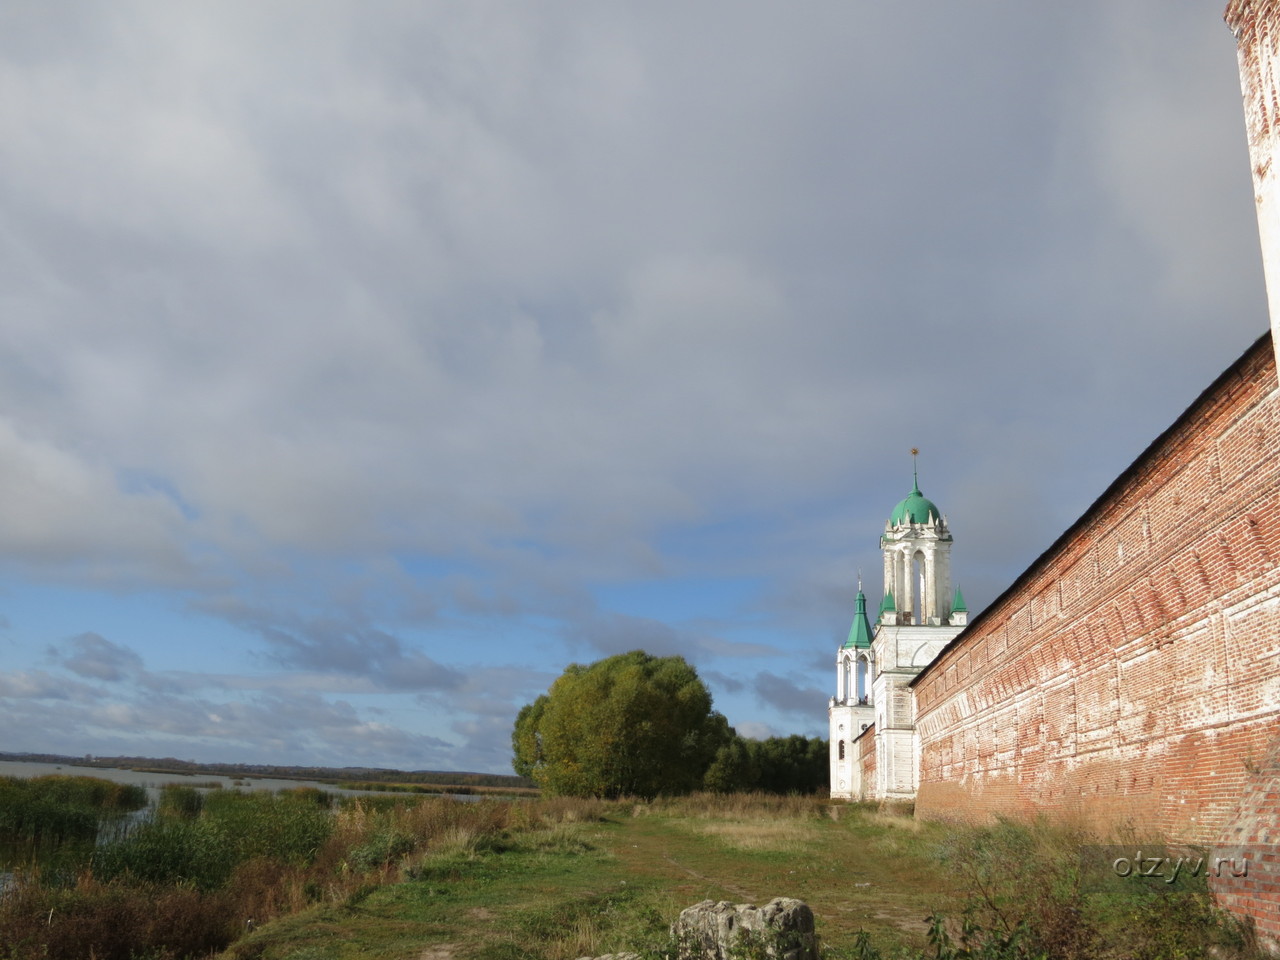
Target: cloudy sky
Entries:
(361, 366)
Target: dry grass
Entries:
(371, 843)
(894, 821)
(735, 806)
(787, 836)
(750, 822)
(575, 809)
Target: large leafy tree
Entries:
(633, 725)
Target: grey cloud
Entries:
(340, 647)
(723, 681)
(92, 655)
(686, 357)
(612, 633)
(484, 743)
(498, 691)
(39, 685)
(788, 695)
(823, 662)
(545, 299)
(265, 727)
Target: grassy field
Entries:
(301, 876)
(596, 878)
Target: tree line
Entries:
(639, 725)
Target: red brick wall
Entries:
(1251, 841)
(1132, 673)
(866, 747)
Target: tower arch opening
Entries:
(919, 609)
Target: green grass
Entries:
(288, 877)
(557, 891)
(580, 886)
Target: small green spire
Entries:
(888, 604)
(860, 632)
(957, 605)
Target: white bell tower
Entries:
(916, 544)
(873, 736)
(852, 710)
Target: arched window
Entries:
(846, 685)
(841, 749)
(863, 682)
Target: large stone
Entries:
(782, 929)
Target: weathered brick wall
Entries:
(1251, 885)
(866, 747)
(1132, 673)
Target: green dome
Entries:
(915, 509)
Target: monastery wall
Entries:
(1132, 673)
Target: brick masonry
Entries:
(866, 747)
(1131, 675)
(1251, 841)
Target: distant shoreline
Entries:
(368, 778)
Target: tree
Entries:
(733, 769)
(792, 764)
(633, 724)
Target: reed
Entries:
(223, 858)
(62, 809)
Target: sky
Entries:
(364, 365)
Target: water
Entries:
(154, 781)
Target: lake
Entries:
(154, 781)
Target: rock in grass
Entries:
(782, 930)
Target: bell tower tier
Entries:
(917, 562)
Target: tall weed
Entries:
(1034, 893)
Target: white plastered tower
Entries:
(919, 615)
(851, 710)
